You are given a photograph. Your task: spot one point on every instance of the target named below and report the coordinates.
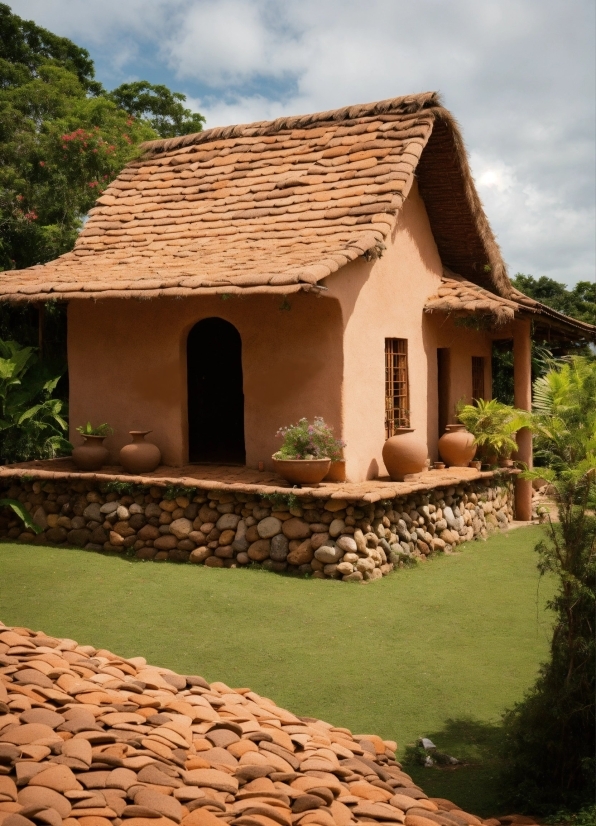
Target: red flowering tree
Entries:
(63, 138)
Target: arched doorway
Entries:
(215, 393)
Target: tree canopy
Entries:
(64, 138)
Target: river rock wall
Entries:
(324, 537)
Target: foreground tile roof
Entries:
(458, 296)
(274, 206)
(88, 738)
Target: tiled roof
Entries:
(273, 206)
(458, 296)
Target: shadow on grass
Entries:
(473, 784)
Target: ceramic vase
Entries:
(140, 456)
(91, 455)
(404, 454)
(337, 471)
(456, 446)
(302, 471)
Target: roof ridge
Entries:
(403, 105)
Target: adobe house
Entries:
(337, 264)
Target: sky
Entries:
(519, 75)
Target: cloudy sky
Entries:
(518, 74)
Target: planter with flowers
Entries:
(92, 455)
(307, 452)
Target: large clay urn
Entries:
(302, 471)
(140, 456)
(456, 446)
(91, 455)
(404, 454)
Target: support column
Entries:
(522, 393)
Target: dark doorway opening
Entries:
(215, 393)
(443, 378)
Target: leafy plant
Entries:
(22, 512)
(493, 425)
(281, 501)
(309, 441)
(129, 488)
(101, 429)
(174, 491)
(551, 742)
(32, 423)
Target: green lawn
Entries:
(438, 650)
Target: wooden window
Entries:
(397, 397)
(477, 377)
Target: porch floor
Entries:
(249, 480)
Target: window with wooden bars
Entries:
(397, 397)
(477, 377)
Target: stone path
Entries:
(88, 738)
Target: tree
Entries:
(550, 736)
(158, 106)
(63, 138)
(578, 302)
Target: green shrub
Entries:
(550, 740)
(32, 423)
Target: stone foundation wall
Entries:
(325, 537)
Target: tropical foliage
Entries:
(551, 743)
(32, 423)
(493, 425)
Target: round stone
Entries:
(227, 522)
(181, 527)
(347, 544)
(268, 527)
(259, 550)
(328, 554)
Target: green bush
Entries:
(32, 423)
(550, 740)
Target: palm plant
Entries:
(493, 425)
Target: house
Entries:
(338, 264)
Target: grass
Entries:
(439, 650)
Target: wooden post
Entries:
(522, 393)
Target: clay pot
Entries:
(456, 446)
(140, 456)
(439, 465)
(404, 454)
(302, 471)
(337, 472)
(476, 464)
(506, 462)
(91, 455)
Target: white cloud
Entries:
(518, 75)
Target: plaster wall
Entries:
(127, 366)
(385, 299)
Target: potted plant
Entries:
(493, 425)
(307, 452)
(92, 455)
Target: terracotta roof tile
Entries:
(270, 205)
(458, 296)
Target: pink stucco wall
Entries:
(323, 357)
(385, 299)
(127, 366)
